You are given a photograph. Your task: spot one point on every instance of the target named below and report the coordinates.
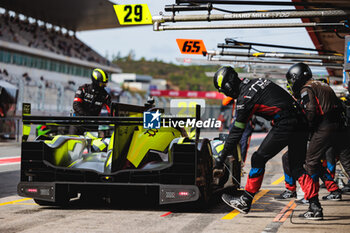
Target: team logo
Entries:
(151, 120)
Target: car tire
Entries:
(206, 171)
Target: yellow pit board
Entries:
(133, 14)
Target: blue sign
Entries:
(151, 120)
(348, 52)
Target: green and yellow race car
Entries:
(118, 155)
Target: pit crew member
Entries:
(264, 98)
(91, 98)
(324, 114)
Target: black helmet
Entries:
(99, 78)
(226, 81)
(297, 75)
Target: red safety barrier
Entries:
(189, 94)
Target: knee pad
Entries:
(258, 160)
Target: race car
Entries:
(172, 163)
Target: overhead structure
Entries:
(276, 62)
(315, 3)
(326, 39)
(326, 21)
(229, 49)
(76, 15)
(279, 55)
(158, 27)
(282, 14)
(338, 10)
(232, 43)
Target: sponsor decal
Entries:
(151, 120)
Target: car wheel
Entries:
(206, 171)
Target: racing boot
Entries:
(315, 210)
(302, 201)
(333, 196)
(242, 203)
(287, 194)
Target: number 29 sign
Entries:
(133, 14)
(189, 46)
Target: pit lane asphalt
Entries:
(20, 214)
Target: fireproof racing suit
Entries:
(89, 100)
(246, 136)
(326, 173)
(324, 114)
(248, 131)
(266, 99)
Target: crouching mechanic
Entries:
(324, 114)
(326, 174)
(266, 99)
(91, 98)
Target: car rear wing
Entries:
(117, 109)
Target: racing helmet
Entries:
(99, 78)
(297, 75)
(226, 81)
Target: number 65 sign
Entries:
(189, 46)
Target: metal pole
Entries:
(278, 55)
(269, 3)
(17, 129)
(158, 27)
(20, 93)
(234, 46)
(231, 43)
(173, 7)
(164, 101)
(250, 15)
(128, 96)
(217, 61)
(281, 62)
